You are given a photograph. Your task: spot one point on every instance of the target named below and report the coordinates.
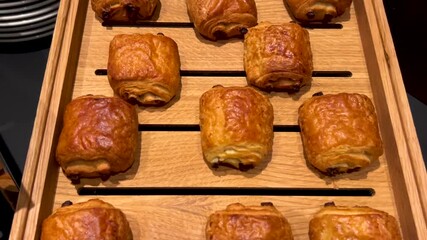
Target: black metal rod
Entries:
(150, 24)
(191, 25)
(219, 73)
(196, 127)
(227, 191)
(321, 25)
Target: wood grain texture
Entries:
(184, 217)
(172, 159)
(162, 163)
(25, 201)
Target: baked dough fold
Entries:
(99, 137)
(317, 10)
(359, 222)
(127, 11)
(340, 132)
(248, 222)
(93, 219)
(236, 126)
(278, 57)
(144, 68)
(222, 19)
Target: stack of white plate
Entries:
(27, 20)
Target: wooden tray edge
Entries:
(411, 161)
(34, 163)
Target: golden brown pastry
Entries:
(99, 137)
(278, 57)
(222, 19)
(93, 219)
(317, 10)
(340, 132)
(236, 126)
(127, 11)
(359, 222)
(238, 222)
(144, 68)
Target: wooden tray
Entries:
(169, 192)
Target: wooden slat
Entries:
(166, 161)
(199, 54)
(185, 217)
(31, 165)
(389, 89)
(185, 108)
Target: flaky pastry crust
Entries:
(236, 126)
(278, 57)
(317, 10)
(222, 19)
(93, 219)
(144, 68)
(340, 132)
(248, 222)
(99, 137)
(125, 11)
(359, 222)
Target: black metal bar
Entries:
(169, 127)
(286, 128)
(191, 25)
(196, 127)
(101, 72)
(227, 191)
(219, 73)
(196, 73)
(150, 24)
(321, 25)
(332, 74)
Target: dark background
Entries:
(408, 24)
(22, 69)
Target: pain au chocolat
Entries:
(359, 222)
(93, 219)
(278, 57)
(144, 68)
(222, 19)
(99, 137)
(248, 222)
(236, 126)
(123, 11)
(340, 132)
(317, 10)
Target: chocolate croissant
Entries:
(248, 222)
(144, 68)
(93, 219)
(236, 127)
(126, 11)
(99, 137)
(359, 222)
(340, 132)
(222, 19)
(278, 57)
(317, 10)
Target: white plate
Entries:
(25, 8)
(31, 14)
(27, 20)
(30, 26)
(17, 3)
